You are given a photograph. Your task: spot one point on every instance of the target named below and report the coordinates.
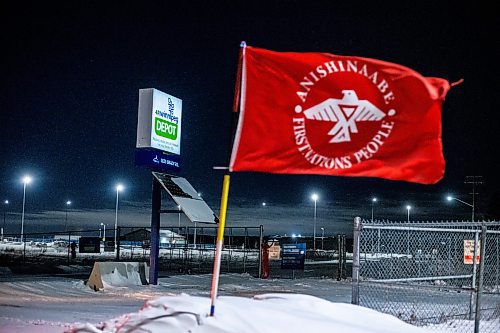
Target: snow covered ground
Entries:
(53, 304)
(43, 304)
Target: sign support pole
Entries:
(220, 241)
(155, 232)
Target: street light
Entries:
(263, 204)
(68, 203)
(322, 236)
(408, 207)
(315, 198)
(373, 202)
(179, 208)
(119, 188)
(6, 203)
(194, 235)
(104, 233)
(26, 180)
(450, 198)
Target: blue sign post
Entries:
(293, 256)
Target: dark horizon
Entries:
(70, 94)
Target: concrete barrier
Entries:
(118, 274)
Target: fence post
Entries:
(482, 257)
(261, 236)
(341, 256)
(474, 271)
(355, 261)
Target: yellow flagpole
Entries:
(225, 190)
(220, 242)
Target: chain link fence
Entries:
(182, 249)
(425, 273)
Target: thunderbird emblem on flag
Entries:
(319, 113)
(345, 112)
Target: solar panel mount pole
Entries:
(155, 232)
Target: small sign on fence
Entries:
(293, 256)
(274, 252)
(89, 245)
(469, 251)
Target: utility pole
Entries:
(474, 180)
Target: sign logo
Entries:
(356, 100)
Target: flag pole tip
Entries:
(220, 168)
(243, 44)
(456, 83)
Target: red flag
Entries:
(319, 113)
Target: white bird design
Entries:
(346, 112)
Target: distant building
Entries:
(168, 238)
(71, 238)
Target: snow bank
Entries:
(291, 313)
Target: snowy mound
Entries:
(291, 313)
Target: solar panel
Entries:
(181, 191)
(170, 186)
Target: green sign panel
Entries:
(165, 129)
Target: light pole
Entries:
(322, 237)
(68, 203)
(119, 188)
(450, 198)
(104, 233)
(6, 204)
(315, 198)
(194, 235)
(179, 208)
(373, 203)
(26, 180)
(408, 207)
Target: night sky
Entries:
(71, 75)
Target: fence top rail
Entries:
(457, 224)
(413, 228)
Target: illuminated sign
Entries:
(159, 121)
(157, 161)
(293, 256)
